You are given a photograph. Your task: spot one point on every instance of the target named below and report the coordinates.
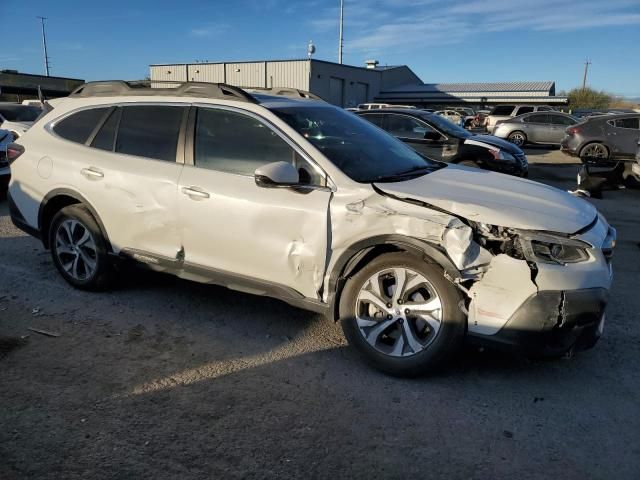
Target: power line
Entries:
(341, 41)
(44, 46)
(587, 62)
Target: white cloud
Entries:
(375, 27)
(208, 30)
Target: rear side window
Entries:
(150, 131)
(631, 123)
(502, 110)
(375, 118)
(78, 126)
(562, 120)
(106, 137)
(522, 110)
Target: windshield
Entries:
(361, 150)
(20, 113)
(447, 127)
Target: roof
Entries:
(497, 87)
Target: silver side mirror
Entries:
(277, 174)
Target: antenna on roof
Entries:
(341, 42)
(311, 49)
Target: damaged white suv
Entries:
(280, 194)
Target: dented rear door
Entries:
(231, 225)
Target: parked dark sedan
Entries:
(439, 139)
(604, 140)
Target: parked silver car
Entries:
(539, 127)
(505, 112)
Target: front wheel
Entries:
(79, 250)
(402, 314)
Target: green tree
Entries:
(588, 98)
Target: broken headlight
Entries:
(559, 251)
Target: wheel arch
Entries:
(591, 142)
(354, 258)
(55, 201)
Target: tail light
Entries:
(572, 130)
(13, 152)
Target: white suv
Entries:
(505, 112)
(293, 198)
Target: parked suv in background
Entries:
(294, 198)
(504, 112)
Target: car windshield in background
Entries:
(447, 127)
(20, 113)
(358, 148)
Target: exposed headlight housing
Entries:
(554, 250)
(502, 155)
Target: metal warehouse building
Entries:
(15, 86)
(342, 85)
(473, 93)
(348, 86)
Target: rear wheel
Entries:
(594, 151)
(79, 250)
(402, 314)
(517, 138)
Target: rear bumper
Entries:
(18, 219)
(551, 323)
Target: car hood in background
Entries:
(22, 126)
(496, 199)
(496, 142)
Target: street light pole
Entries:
(341, 42)
(44, 46)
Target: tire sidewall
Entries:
(451, 330)
(524, 136)
(82, 215)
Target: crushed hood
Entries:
(493, 198)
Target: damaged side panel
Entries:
(355, 217)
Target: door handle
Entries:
(194, 192)
(92, 173)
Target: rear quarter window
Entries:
(78, 126)
(502, 110)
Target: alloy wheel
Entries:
(398, 312)
(517, 139)
(595, 150)
(75, 249)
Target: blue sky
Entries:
(442, 41)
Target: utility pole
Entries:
(44, 46)
(587, 62)
(341, 42)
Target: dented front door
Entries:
(232, 226)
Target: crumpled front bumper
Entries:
(551, 323)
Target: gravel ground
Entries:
(163, 379)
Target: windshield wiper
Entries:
(411, 173)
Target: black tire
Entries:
(514, 138)
(103, 274)
(586, 157)
(447, 339)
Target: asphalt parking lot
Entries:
(164, 378)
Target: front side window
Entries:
(537, 118)
(150, 131)
(363, 152)
(78, 126)
(630, 123)
(406, 127)
(232, 142)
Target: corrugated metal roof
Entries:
(445, 88)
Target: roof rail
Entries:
(288, 92)
(116, 88)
